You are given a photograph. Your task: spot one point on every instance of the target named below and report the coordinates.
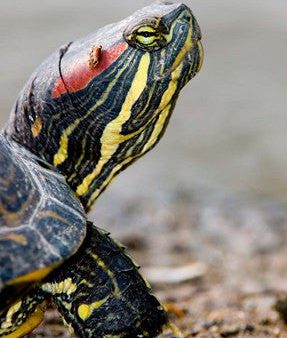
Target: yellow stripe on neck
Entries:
(163, 115)
(112, 138)
(166, 98)
(116, 169)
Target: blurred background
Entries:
(215, 189)
(228, 132)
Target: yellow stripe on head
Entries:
(62, 154)
(111, 137)
(146, 29)
(185, 49)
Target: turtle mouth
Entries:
(200, 52)
(196, 47)
(188, 51)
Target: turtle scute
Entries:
(41, 221)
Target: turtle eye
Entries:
(147, 37)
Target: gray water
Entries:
(228, 132)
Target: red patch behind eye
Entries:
(80, 73)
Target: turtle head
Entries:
(99, 103)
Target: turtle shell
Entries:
(42, 223)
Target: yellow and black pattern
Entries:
(93, 133)
(23, 316)
(99, 292)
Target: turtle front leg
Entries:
(101, 294)
(23, 316)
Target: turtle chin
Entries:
(194, 59)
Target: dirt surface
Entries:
(219, 264)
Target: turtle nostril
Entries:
(196, 37)
(167, 3)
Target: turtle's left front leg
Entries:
(23, 316)
(101, 294)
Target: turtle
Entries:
(90, 110)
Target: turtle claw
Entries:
(175, 331)
(177, 311)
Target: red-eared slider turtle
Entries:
(89, 111)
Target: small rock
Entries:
(249, 328)
(281, 307)
(230, 332)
